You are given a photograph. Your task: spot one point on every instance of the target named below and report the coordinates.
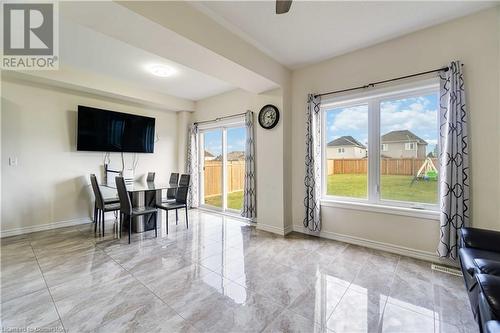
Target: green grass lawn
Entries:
(355, 186)
(392, 188)
(234, 200)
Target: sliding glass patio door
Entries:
(222, 173)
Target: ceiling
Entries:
(89, 50)
(313, 31)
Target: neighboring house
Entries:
(233, 156)
(209, 156)
(345, 147)
(403, 144)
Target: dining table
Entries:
(142, 193)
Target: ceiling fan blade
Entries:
(283, 6)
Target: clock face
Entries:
(269, 116)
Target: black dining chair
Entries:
(179, 203)
(150, 177)
(174, 180)
(106, 201)
(102, 205)
(185, 179)
(128, 212)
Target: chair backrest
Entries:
(174, 178)
(181, 195)
(171, 193)
(151, 177)
(97, 192)
(125, 204)
(185, 178)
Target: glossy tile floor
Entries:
(221, 275)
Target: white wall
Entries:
(269, 150)
(50, 184)
(475, 41)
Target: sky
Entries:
(416, 114)
(235, 140)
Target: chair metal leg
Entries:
(103, 223)
(156, 224)
(166, 214)
(176, 217)
(96, 219)
(120, 225)
(187, 222)
(129, 227)
(95, 212)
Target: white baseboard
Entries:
(397, 249)
(271, 228)
(42, 227)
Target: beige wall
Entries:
(183, 123)
(269, 150)
(50, 183)
(474, 40)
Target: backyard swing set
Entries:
(426, 172)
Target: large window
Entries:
(382, 147)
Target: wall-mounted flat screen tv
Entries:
(109, 131)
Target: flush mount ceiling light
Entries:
(161, 70)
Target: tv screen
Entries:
(109, 131)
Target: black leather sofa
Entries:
(480, 262)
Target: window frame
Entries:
(373, 98)
(223, 125)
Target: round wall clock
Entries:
(269, 116)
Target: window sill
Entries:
(377, 208)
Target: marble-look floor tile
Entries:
(278, 282)
(413, 268)
(343, 268)
(400, 320)
(452, 306)
(359, 310)
(88, 282)
(290, 322)
(20, 279)
(412, 293)
(32, 312)
(375, 276)
(246, 310)
(156, 267)
(19, 239)
(224, 265)
(98, 270)
(152, 316)
(318, 303)
(89, 310)
(442, 327)
(187, 286)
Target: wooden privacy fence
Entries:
(213, 177)
(388, 166)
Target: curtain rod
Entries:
(370, 85)
(220, 118)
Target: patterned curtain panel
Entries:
(454, 160)
(249, 193)
(312, 180)
(192, 165)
